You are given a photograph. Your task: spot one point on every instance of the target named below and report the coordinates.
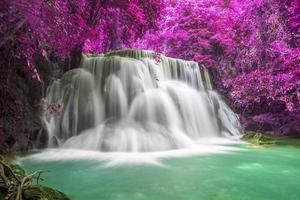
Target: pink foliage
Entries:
(54, 108)
(267, 61)
(193, 30)
(54, 29)
(252, 46)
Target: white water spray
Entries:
(127, 101)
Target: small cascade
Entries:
(128, 101)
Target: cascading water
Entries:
(136, 101)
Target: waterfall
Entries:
(135, 101)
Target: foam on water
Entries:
(199, 148)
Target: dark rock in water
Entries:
(55, 141)
(39, 137)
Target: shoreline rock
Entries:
(257, 138)
(15, 184)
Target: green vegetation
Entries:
(259, 138)
(15, 184)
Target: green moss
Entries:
(2, 196)
(16, 184)
(39, 192)
(258, 138)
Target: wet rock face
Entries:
(19, 106)
(20, 102)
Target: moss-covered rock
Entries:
(15, 184)
(2, 195)
(39, 192)
(258, 138)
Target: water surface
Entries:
(250, 173)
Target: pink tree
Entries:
(55, 29)
(267, 55)
(252, 48)
(194, 30)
